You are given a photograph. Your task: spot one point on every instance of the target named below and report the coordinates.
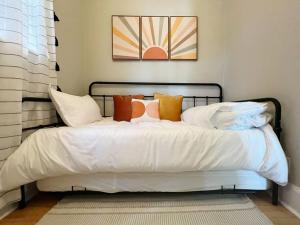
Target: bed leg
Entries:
(274, 193)
(23, 203)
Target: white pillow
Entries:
(75, 110)
(199, 116)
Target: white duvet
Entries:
(164, 146)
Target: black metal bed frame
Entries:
(195, 98)
(222, 190)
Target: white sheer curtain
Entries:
(27, 67)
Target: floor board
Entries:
(41, 204)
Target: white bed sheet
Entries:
(157, 147)
(156, 182)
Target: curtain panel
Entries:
(27, 67)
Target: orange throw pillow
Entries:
(170, 107)
(122, 107)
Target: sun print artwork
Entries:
(155, 37)
(184, 38)
(126, 37)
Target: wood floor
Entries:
(43, 202)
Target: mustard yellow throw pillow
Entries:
(169, 106)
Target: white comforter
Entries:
(164, 146)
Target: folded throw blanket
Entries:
(228, 115)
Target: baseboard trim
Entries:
(290, 198)
(291, 209)
(8, 210)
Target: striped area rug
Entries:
(155, 209)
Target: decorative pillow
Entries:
(74, 110)
(122, 107)
(145, 110)
(169, 106)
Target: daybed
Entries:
(110, 156)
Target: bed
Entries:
(246, 161)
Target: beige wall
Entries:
(95, 29)
(69, 53)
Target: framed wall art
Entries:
(126, 37)
(155, 37)
(184, 38)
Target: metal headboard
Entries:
(105, 97)
(219, 97)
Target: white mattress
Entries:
(156, 182)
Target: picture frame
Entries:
(126, 37)
(184, 38)
(155, 38)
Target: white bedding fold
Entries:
(243, 108)
(144, 147)
(228, 115)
